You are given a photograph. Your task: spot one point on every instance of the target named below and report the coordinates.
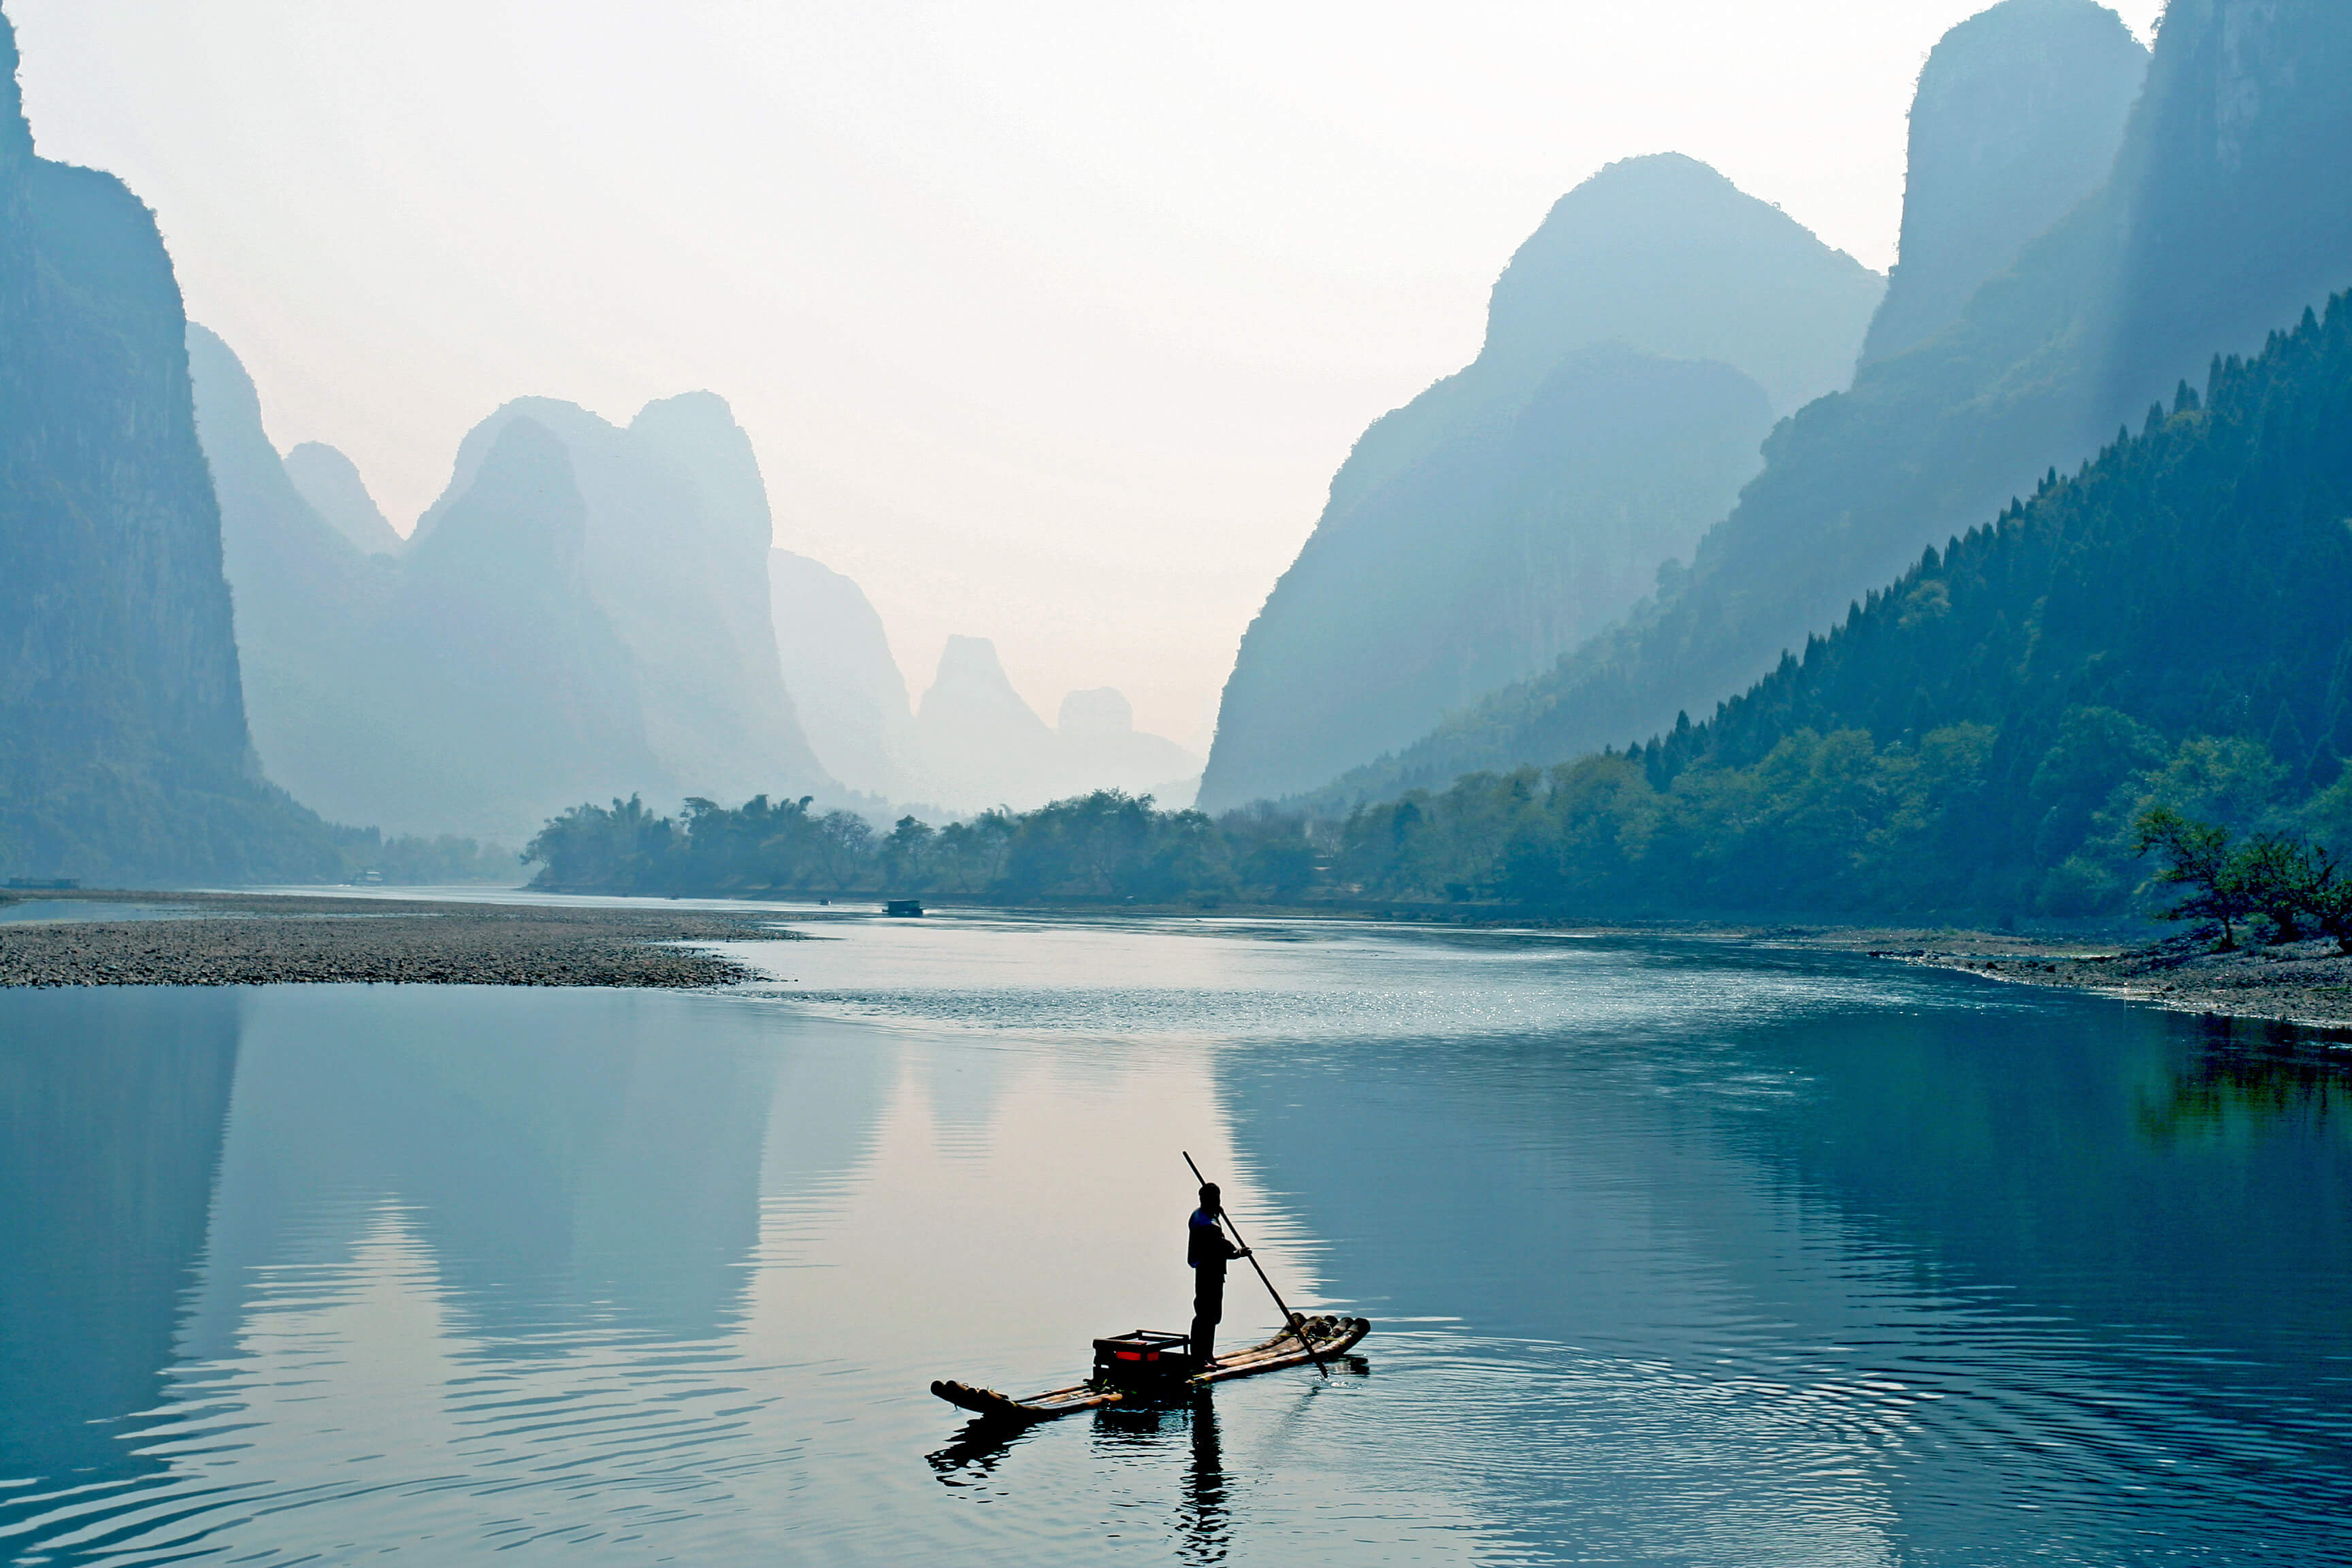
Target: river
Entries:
(1677, 1251)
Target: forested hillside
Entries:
(2225, 214)
(2172, 626)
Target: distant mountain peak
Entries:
(15, 131)
(522, 511)
(1638, 346)
(971, 683)
(331, 482)
(2020, 113)
(1103, 713)
(1664, 254)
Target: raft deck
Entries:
(1331, 1337)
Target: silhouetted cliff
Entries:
(2019, 114)
(124, 752)
(2169, 626)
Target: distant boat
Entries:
(902, 907)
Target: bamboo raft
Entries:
(1331, 1337)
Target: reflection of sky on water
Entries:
(1678, 1254)
(76, 911)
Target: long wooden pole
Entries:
(1290, 1319)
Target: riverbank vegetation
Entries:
(2164, 632)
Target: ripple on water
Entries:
(1677, 1256)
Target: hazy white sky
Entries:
(1050, 320)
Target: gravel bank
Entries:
(240, 940)
(2308, 983)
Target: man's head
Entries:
(1211, 1202)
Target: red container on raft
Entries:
(1142, 1355)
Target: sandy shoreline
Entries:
(235, 939)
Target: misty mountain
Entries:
(841, 677)
(123, 749)
(2225, 213)
(330, 483)
(582, 613)
(2020, 113)
(2169, 626)
(1102, 749)
(310, 608)
(1637, 349)
(978, 743)
(508, 679)
(472, 684)
(676, 538)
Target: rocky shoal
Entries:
(236, 939)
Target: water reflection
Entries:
(2250, 1083)
(1677, 1254)
(976, 1453)
(1201, 1522)
(1901, 1277)
(1201, 1525)
(108, 1146)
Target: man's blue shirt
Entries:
(1205, 1246)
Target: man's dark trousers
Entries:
(1208, 1308)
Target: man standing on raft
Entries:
(1208, 1251)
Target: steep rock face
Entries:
(123, 751)
(1636, 348)
(469, 685)
(677, 533)
(309, 603)
(2176, 260)
(2020, 113)
(510, 684)
(839, 671)
(2231, 191)
(331, 482)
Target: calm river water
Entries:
(1678, 1253)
